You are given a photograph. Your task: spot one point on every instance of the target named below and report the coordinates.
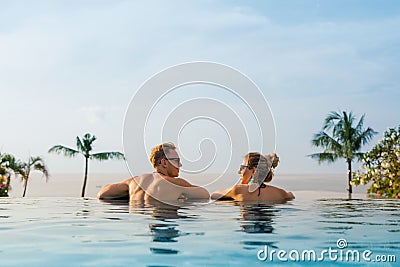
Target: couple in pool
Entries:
(164, 184)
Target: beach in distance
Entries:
(313, 185)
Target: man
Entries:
(162, 185)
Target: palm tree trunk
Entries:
(25, 186)
(350, 189)
(85, 179)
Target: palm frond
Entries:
(322, 139)
(324, 156)
(366, 136)
(21, 169)
(108, 155)
(88, 140)
(41, 167)
(80, 145)
(68, 152)
(360, 124)
(341, 123)
(330, 120)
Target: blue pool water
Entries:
(88, 232)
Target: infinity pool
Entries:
(88, 232)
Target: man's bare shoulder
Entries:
(128, 181)
(179, 181)
(141, 177)
(143, 181)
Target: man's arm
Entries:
(191, 191)
(113, 191)
(196, 192)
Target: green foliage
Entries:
(10, 166)
(3, 186)
(381, 165)
(7, 168)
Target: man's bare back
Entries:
(148, 187)
(153, 187)
(162, 185)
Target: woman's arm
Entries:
(113, 191)
(290, 195)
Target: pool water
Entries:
(88, 232)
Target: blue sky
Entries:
(71, 67)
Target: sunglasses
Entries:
(243, 167)
(177, 160)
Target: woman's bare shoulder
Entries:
(240, 188)
(282, 192)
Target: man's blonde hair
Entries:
(159, 152)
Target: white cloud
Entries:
(93, 114)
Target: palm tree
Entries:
(84, 147)
(23, 169)
(345, 140)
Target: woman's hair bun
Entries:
(273, 160)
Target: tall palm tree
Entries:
(23, 169)
(345, 141)
(84, 147)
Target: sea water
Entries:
(312, 229)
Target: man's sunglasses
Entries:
(177, 160)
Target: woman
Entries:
(258, 170)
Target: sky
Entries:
(71, 67)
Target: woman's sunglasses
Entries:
(243, 167)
